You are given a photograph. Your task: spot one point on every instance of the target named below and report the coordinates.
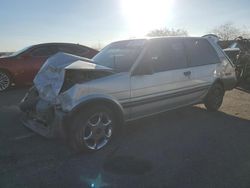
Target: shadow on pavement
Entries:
(189, 147)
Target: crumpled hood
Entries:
(49, 80)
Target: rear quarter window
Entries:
(74, 49)
(200, 52)
(44, 51)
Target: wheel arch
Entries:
(9, 73)
(106, 101)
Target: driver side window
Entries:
(164, 55)
(151, 59)
(153, 55)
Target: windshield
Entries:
(20, 51)
(120, 56)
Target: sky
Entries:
(96, 23)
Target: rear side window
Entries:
(73, 49)
(44, 51)
(167, 54)
(200, 52)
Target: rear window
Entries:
(200, 52)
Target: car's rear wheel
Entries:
(5, 80)
(214, 97)
(92, 129)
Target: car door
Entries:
(202, 61)
(166, 85)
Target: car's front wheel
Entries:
(214, 97)
(5, 80)
(92, 129)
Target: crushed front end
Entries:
(59, 83)
(41, 116)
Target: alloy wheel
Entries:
(98, 131)
(4, 81)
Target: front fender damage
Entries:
(43, 105)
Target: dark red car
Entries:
(21, 67)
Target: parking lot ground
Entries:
(189, 147)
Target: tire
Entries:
(5, 80)
(92, 129)
(214, 97)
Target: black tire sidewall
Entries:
(211, 101)
(9, 77)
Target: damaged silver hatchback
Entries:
(87, 101)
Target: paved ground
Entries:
(184, 148)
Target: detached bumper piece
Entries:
(40, 116)
(37, 126)
(53, 129)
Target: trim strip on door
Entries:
(163, 97)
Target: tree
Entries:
(167, 32)
(229, 31)
(245, 32)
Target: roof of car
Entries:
(179, 37)
(58, 43)
(162, 37)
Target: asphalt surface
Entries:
(189, 147)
